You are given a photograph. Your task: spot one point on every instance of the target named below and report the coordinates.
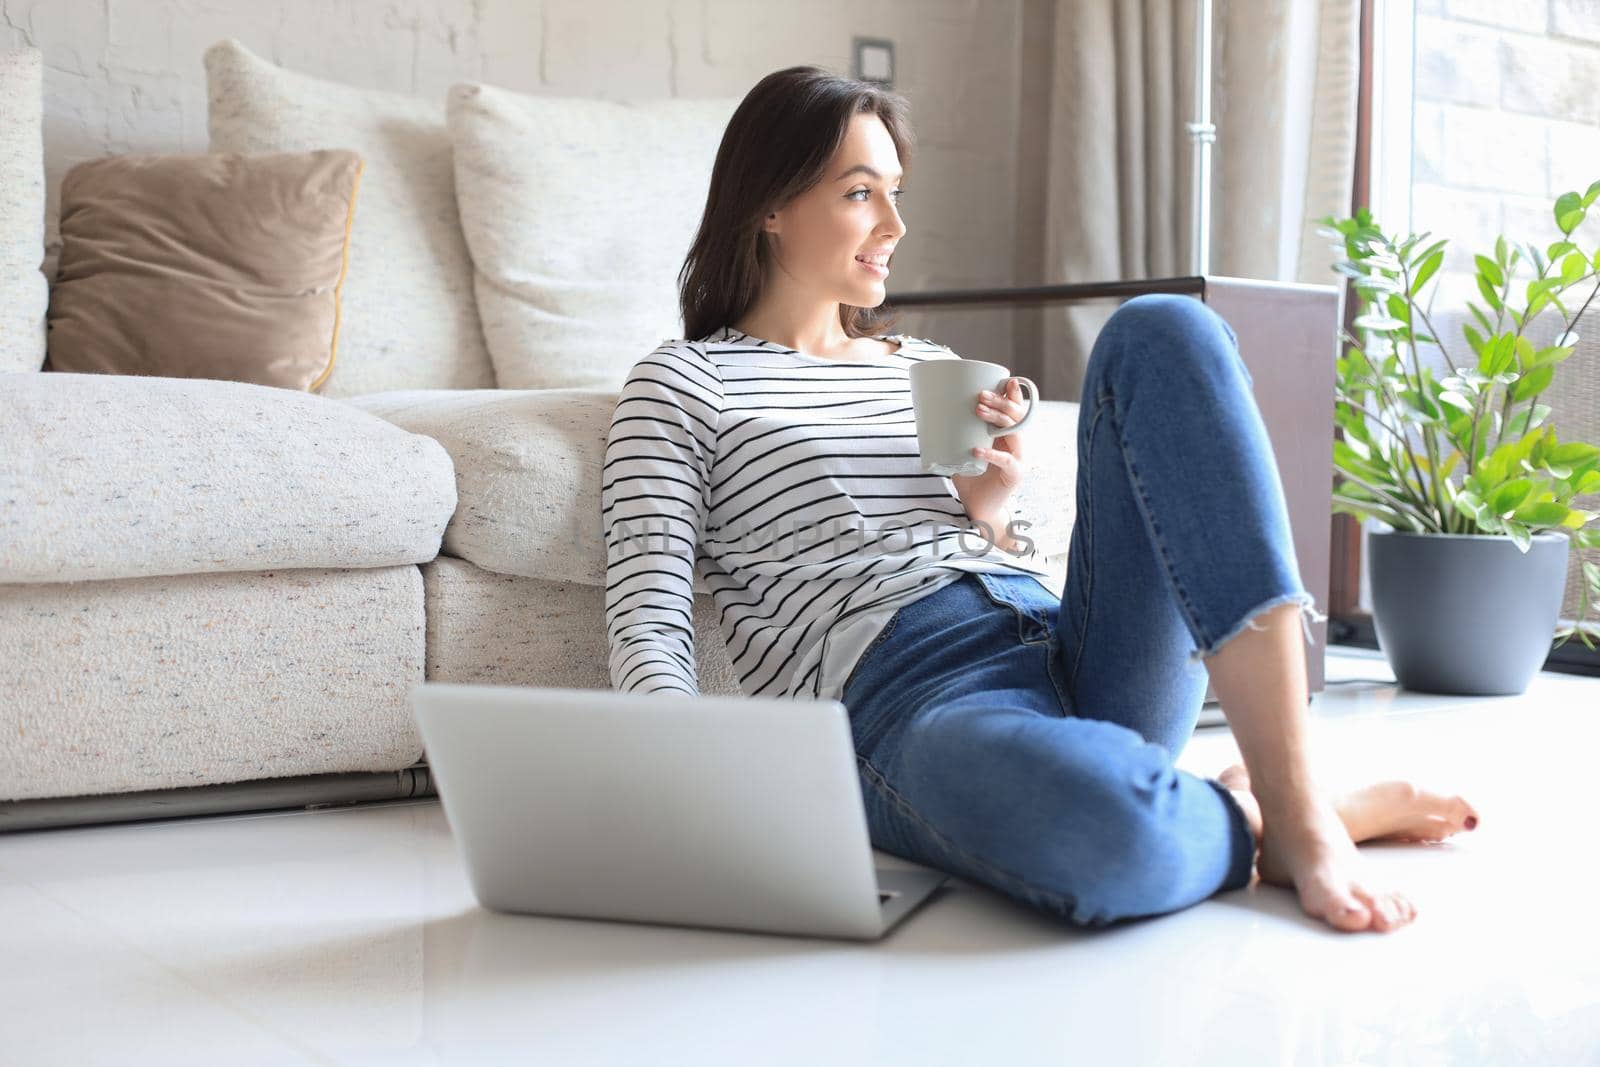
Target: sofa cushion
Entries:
(409, 321)
(23, 289)
(505, 629)
(204, 266)
(528, 465)
(579, 214)
(187, 680)
(103, 476)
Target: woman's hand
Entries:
(984, 495)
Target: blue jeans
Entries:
(1026, 741)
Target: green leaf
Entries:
(1499, 354)
(1519, 534)
(1398, 307)
(1420, 403)
(1500, 252)
(1544, 513)
(1535, 381)
(1346, 459)
(1353, 424)
(1474, 338)
(1553, 354)
(1524, 350)
(1426, 271)
(1489, 269)
(1378, 321)
(1378, 283)
(1573, 452)
(1575, 266)
(1490, 297)
(1527, 419)
(1383, 259)
(1539, 261)
(1483, 320)
(1559, 249)
(1567, 205)
(1507, 497)
(1431, 249)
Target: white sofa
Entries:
(216, 595)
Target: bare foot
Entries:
(1308, 850)
(1395, 810)
(1312, 848)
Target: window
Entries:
(1481, 114)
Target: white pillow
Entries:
(579, 213)
(407, 320)
(24, 293)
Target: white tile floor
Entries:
(349, 936)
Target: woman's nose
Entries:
(892, 224)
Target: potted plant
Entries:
(1468, 577)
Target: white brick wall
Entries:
(1507, 116)
(126, 76)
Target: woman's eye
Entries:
(898, 193)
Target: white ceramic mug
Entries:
(944, 394)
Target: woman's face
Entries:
(833, 240)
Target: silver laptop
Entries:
(729, 812)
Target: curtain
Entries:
(1117, 201)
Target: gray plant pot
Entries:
(1466, 613)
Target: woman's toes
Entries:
(1368, 901)
(1344, 910)
(1393, 910)
(1432, 828)
(1349, 913)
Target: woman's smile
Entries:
(876, 269)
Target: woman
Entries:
(1004, 733)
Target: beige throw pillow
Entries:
(204, 266)
(579, 213)
(409, 317)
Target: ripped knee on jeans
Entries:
(1308, 615)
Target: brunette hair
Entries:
(775, 147)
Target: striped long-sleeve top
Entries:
(791, 484)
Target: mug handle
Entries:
(1033, 403)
